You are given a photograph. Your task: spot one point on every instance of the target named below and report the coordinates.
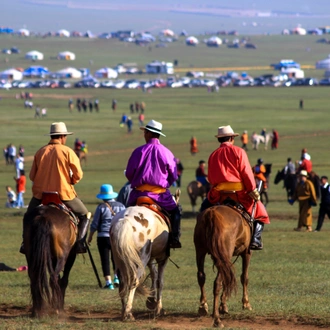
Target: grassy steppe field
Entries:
(289, 280)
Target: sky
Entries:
(194, 16)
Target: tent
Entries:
(23, 32)
(11, 74)
(69, 73)
(299, 30)
(293, 73)
(35, 71)
(106, 73)
(167, 33)
(66, 56)
(323, 64)
(63, 33)
(192, 41)
(34, 55)
(214, 42)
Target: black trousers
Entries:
(324, 210)
(104, 247)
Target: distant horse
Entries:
(223, 233)
(195, 189)
(291, 180)
(139, 238)
(256, 139)
(49, 236)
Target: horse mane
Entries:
(219, 250)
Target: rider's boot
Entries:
(175, 224)
(82, 232)
(256, 243)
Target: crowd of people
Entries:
(84, 105)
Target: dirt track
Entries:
(10, 314)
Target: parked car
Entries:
(132, 84)
(15, 50)
(107, 84)
(64, 84)
(324, 82)
(118, 84)
(5, 85)
(6, 51)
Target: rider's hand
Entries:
(254, 194)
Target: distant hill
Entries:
(255, 17)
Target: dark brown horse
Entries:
(223, 233)
(195, 189)
(49, 236)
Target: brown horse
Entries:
(195, 189)
(49, 236)
(223, 233)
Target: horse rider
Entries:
(305, 163)
(259, 171)
(201, 176)
(230, 171)
(290, 168)
(152, 170)
(56, 167)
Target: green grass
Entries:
(288, 280)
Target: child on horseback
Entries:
(230, 171)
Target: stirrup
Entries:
(256, 246)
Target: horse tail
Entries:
(40, 264)
(128, 261)
(217, 245)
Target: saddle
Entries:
(51, 198)
(238, 207)
(153, 206)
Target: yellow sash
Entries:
(228, 186)
(153, 189)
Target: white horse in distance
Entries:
(256, 139)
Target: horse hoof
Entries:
(161, 312)
(151, 303)
(128, 317)
(247, 306)
(202, 311)
(217, 323)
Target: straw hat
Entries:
(106, 192)
(303, 173)
(154, 126)
(58, 129)
(225, 131)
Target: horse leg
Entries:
(128, 315)
(151, 302)
(64, 281)
(201, 277)
(160, 285)
(245, 280)
(216, 292)
(223, 309)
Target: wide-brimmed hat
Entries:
(303, 173)
(154, 126)
(225, 131)
(106, 192)
(58, 129)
